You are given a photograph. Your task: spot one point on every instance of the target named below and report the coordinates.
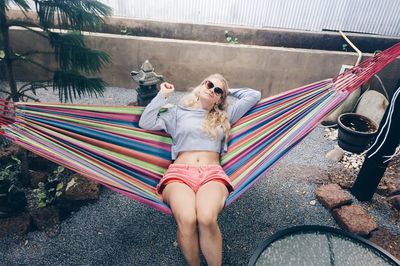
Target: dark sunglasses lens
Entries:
(209, 84)
(218, 90)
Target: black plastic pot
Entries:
(4, 208)
(355, 132)
(4, 186)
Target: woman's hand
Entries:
(166, 89)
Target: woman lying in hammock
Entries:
(195, 186)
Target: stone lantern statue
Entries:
(148, 82)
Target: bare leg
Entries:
(210, 200)
(181, 199)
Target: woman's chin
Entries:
(207, 97)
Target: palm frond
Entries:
(95, 7)
(72, 85)
(72, 54)
(22, 4)
(77, 14)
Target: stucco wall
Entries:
(185, 63)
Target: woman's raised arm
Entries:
(247, 98)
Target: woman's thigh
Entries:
(210, 199)
(181, 199)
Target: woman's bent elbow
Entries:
(143, 124)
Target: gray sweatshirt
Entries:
(185, 125)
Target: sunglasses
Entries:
(217, 90)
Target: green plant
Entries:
(12, 171)
(230, 39)
(47, 196)
(4, 142)
(75, 60)
(124, 30)
(47, 193)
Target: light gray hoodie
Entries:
(185, 125)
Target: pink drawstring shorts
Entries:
(194, 176)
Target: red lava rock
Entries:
(394, 187)
(38, 163)
(395, 201)
(81, 188)
(48, 217)
(382, 190)
(6, 153)
(18, 225)
(355, 219)
(332, 196)
(388, 241)
(37, 177)
(346, 184)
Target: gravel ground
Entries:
(118, 231)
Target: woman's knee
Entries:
(186, 220)
(205, 217)
(187, 224)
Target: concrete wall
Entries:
(185, 63)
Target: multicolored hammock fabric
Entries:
(104, 143)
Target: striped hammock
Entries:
(104, 143)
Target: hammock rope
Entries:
(104, 143)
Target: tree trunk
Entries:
(7, 52)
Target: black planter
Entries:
(17, 201)
(12, 199)
(4, 206)
(355, 132)
(3, 200)
(4, 186)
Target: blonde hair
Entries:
(217, 116)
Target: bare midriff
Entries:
(198, 158)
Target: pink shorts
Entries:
(194, 176)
